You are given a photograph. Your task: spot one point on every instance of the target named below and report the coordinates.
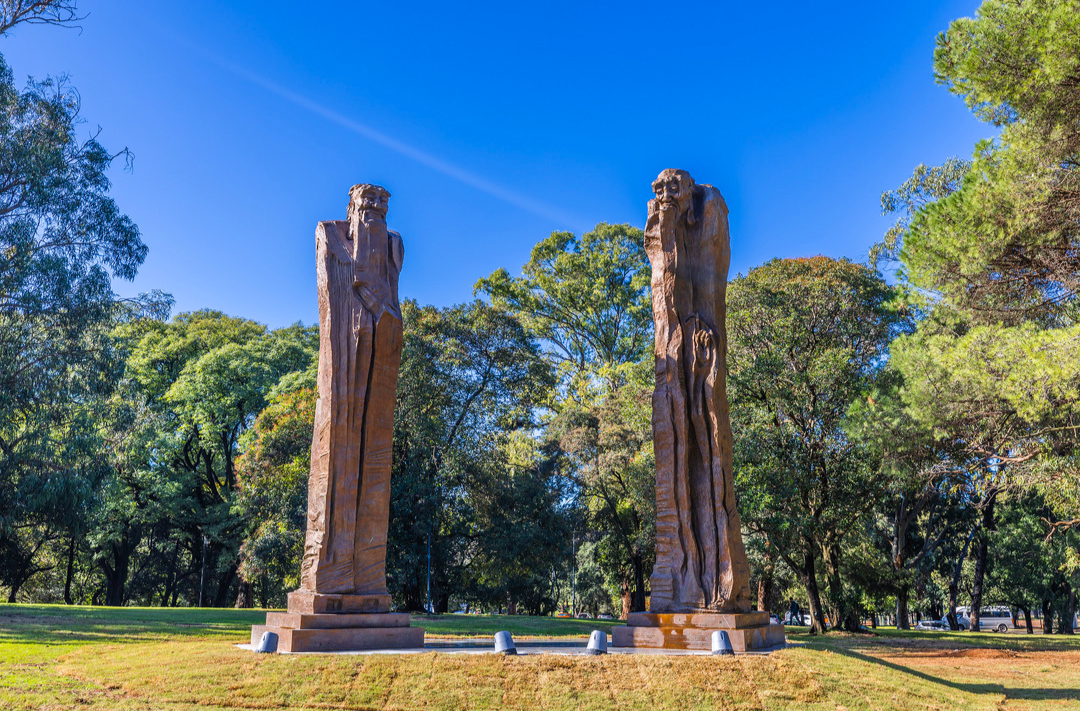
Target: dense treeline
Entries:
(903, 446)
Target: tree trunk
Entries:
(1065, 624)
(954, 582)
(639, 584)
(245, 597)
(903, 617)
(627, 599)
(982, 557)
(844, 615)
(764, 592)
(68, 600)
(809, 574)
(224, 586)
(116, 574)
(171, 578)
(1047, 617)
(1027, 620)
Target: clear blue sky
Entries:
(492, 126)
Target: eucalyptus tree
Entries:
(587, 299)
(63, 240)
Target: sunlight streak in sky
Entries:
(426, 159)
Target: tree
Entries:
(168, 507)
(609, 460)
(920, 507)
(37, 12)
(518, 526)
(806, 338)
(588, 300)
(273, 476)
(999, 248)
(469, 376)
(62, 242)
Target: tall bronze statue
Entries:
(358, 262)
(343, 602)
(701, 581)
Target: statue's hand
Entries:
(367, 297)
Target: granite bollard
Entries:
(504, 643)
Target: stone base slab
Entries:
(702, 620)
(747, 631)
(305, 602)
(337, 620)
(342, 638)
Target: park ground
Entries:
(56, 657)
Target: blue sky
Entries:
(492, 125)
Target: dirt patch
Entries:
(989, 654)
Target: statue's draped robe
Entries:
(359, 354)
(700, 560)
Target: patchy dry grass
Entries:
(68, 658)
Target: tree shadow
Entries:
(1019, 693)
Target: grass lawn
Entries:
(56, 657)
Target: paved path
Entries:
(574, 646)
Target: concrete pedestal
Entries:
(317, 622)
(747, 631)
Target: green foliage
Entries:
(993, 366)
(62, 241)
(1004, 245)
(608, 457)
(806, 338)
(273, 477)
(588, 298)
(471, 377)
(170, 503)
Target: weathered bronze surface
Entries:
(357, 262)
(343, 602)
(701, 580)
(700, 560)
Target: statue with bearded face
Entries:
(343, 603)
(700, 560)
(701, 580)
(358, 262)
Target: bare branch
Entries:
(63, 13)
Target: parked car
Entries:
(991, 619)
(584, 616)
(961, 620)
(932, 625)
(562, 614)
(604, 616)
(774, 620)
(800, 619)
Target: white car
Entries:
(991, 619)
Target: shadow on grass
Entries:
(62, 624)
(1025, 693)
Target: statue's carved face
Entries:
(674, 190)
(369, 198)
